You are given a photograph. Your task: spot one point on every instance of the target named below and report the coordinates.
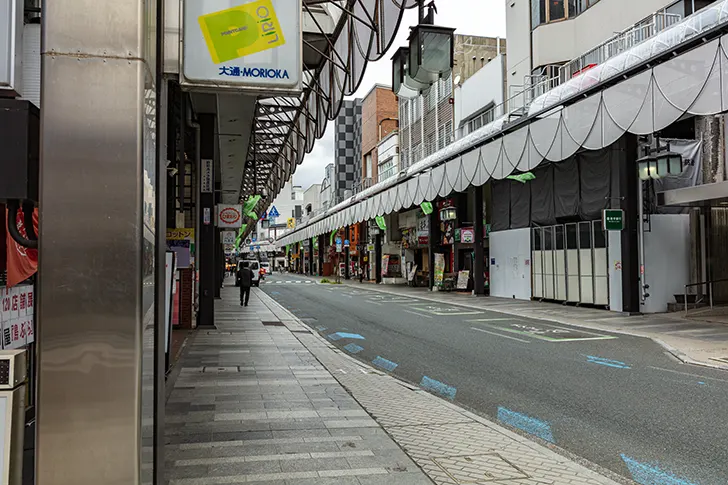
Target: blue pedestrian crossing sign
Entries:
(273, 213)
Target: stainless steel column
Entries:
(478, 266)
(96, 239)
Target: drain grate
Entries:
(273, 324)
(221, 370)
(474, 469)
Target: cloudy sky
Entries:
(473, 17)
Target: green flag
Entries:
(381, 222)
(331, 239)
(522, 177)
(426, 208)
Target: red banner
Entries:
(22, 262)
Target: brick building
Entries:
(379, 118)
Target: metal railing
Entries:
(521, 96)
(700, 300)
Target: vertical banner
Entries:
(385, 264)
(439, 268)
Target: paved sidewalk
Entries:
(262, 399)
(692, 341)
(252, 405)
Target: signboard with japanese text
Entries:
(228, 237)
(612, 219)
(207, 181)
(254, 44)
(439, 268)
(467, 235)
(17, 305)
(181, 234)
(230, 216)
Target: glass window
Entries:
(559, 237)
(557, 10)
(585, 235)
(571, 238)
(538, 13)
(368, 163)
(600, 237)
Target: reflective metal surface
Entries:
(95, 233)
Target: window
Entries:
(556, 10)
(545, 11)
(368, 165)
(538, 13)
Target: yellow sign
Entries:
(241, 31)
(291, 223)
(180, 234)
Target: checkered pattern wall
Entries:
(347, 166)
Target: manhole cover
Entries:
(479, 468)
(221, 370)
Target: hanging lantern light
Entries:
(669, 163)
(448, 214)
(403, 85)
(431, 53)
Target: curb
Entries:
(554, 451)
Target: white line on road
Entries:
(416, 313)
(492, 319)
(687, 374)
(499, 335)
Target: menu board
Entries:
(463, 277)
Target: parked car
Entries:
(254, 267)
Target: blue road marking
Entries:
(275, 292)
(385, 364)
(320, 328)
(353, 348)
(650, 474)
(340, 335)
(530, 425)
(438, 387)
(702, 383)
(607, 362)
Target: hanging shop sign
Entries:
(206, 216)
(181, 234)
(230, 216)
(228, 237)
(244, 44)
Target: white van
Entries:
(266, 267)
(254, 267)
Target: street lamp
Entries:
(403, 85)
(448, 214)
(428, 58)
(660, 164)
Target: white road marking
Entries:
(418, 314)
(499, 335)
(686, 374)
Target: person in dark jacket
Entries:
(246, 281)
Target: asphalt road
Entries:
(618, 401)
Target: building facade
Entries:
(379, 119)
(427, 122)
(347, 143)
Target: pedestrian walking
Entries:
(246, 281)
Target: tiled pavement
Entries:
(691, 340)
(252, 405)
(260, 400)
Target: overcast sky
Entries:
(474, 17)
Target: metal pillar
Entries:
(310, 257)
(322, 247)
(347, 251)
(91, 300)
(219, 264)
(629, 202)
(378, 257)
(206, 314)
(478, 266)
(432, 241)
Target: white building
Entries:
(328, 188)
(544, 35)
(388, 156)
(289, 205)
(478, 98)
(312, 202)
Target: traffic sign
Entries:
(346, 243)
(273, 213)
(228, 237)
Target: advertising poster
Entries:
(385, 264)
(168, 282)
(439, 268)
(463, 277)
(244, 43)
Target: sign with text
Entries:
(612, 219)
(228, 238)
(17, 306)
(244, 43)
(230, 216)
(207, 174)
(181, 234)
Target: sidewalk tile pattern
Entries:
(252, 405)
